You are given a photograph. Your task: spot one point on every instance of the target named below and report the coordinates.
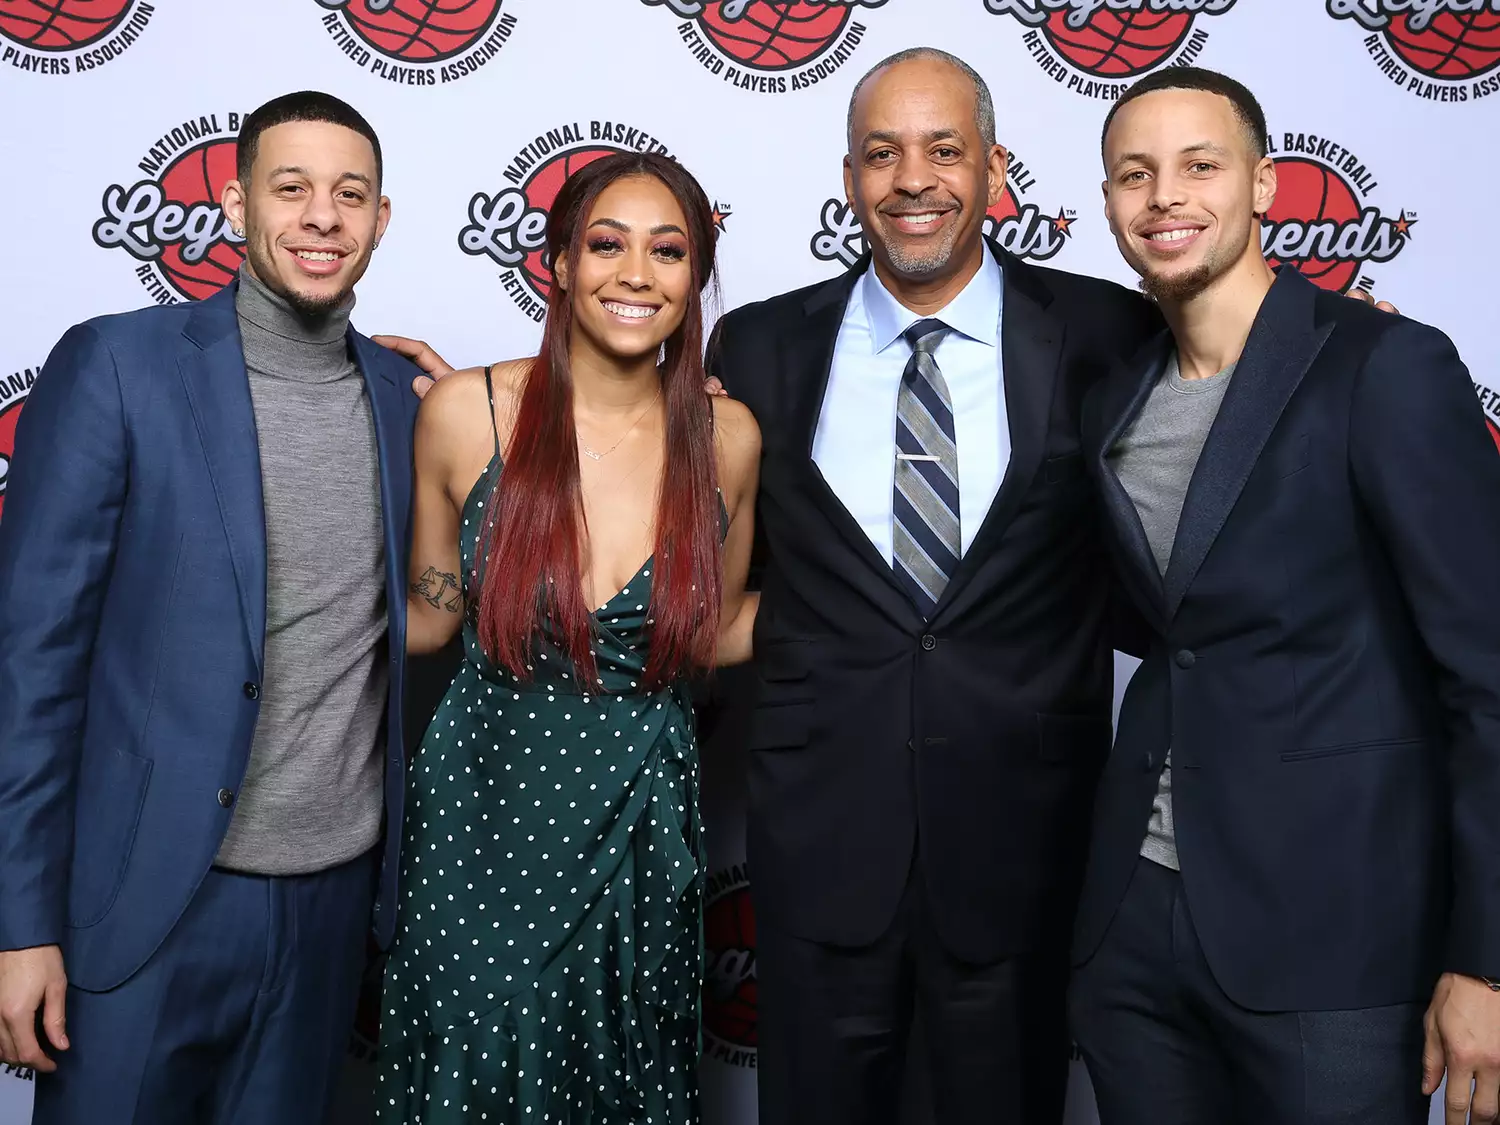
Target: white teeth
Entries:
(923, 219)
(1172, 235)
(631, 312)
(317, 256)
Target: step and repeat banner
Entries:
(118, 132)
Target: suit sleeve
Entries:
(64, 497)
(1427, 471)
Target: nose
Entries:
(321, 213)
(914, 173)
(1167, 191)
(635, 272)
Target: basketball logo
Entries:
(770, 46)
(69, 36)
(13, 391)
(171, 221)
(1321, 221)
(729, 984)
(1440, 50)
(1023, 228)
(1494, 433)
(419, 42)
(1095, 50)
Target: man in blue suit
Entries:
(1292, 905)
(202, 639)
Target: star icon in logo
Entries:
(1403, 225)
(1061, 223)
(722, 211)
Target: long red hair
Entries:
(532, 551)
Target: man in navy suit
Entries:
(202, 639)
(1292, 904)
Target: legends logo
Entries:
(1441, 50)
(1021, 228)
(13, 391)
(768, 47)
(510, 226)
(1488, 399)
(69, 36)
(1087, 43)
(171, 222)
(729, 985)
(419, 42)
(1321, 221)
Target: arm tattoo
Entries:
(434, 584)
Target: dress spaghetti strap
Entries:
(489, 389)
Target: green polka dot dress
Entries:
(548, 959)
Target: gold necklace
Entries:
(597, 456)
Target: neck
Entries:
(927, 295)
(607, 384)
(1211, 327)
(260, 305)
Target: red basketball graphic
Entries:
(729, 988)
(1118, 44)
(422, 31)
(541, 190)
(1310, 193)
(1452, 45)
(10, 413)
(1494, 433)
(1006, 208)
(775, 36)
(198, 176)
(60, 25)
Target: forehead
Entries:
(916, 95)
(1168, 120)
(638, 200)
(321, 147)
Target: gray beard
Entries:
(934, 261)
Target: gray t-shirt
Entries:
(312, 797)
(1154, 459)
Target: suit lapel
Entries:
(1283, 342)
(389, 415)
(1122, 399)
(218, 393)
(1031, 341)
(808, 363)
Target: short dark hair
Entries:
(1246, 108)
(305, 105)
(984, 103)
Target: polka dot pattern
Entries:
(547, 961)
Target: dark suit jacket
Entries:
(132, 626)
(1325, 664)
(979, 732)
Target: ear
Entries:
(560, 272)
(997, 165)
(1104, 189)
(382, 218)
(848, 180)
(1265, 186)
(232, 200)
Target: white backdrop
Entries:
(119, 116)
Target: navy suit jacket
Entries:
(1324, 664)
(132, 626)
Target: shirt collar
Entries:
(975, 312)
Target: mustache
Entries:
(922, 205)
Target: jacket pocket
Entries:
(101, 851)
(780, 726)
(1305, 753)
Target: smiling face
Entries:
(1184, 187)
(633, 278)
(311, 212)
(918, 174)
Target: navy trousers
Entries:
(242, 1017)
(1165, 1046)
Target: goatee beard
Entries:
(1178, 287)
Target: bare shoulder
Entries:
(737, 440)
(452, 402)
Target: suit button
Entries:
(912, 746)
(252, 691)
(226, 798)
(1185, 658)
(929, 642)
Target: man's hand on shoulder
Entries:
(1365, 296)
(32, 981)
(433, 366)
(1463, 1038)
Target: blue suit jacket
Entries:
(1322, 662)
(132, 627)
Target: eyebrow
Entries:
(1201, 146)
(887, 137)
(298, 170)
(663, 228)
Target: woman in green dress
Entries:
(547, 960)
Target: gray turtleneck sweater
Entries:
(312, 795)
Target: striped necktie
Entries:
(925, 502)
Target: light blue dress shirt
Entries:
(855, 444)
